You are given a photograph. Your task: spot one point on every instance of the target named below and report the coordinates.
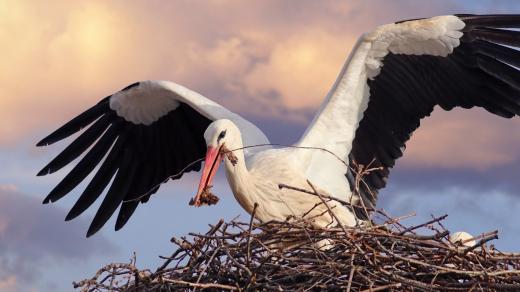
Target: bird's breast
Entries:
(260, 184)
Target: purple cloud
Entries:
(33, 237)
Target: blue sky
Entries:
(271, 61)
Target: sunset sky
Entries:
(271, 61)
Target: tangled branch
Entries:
(294, 255)
(287, 256)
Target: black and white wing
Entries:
(140, 136)
(398, 73)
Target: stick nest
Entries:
(293, 256)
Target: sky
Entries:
(271, 61)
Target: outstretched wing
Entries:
(400, 72)
(142, 135)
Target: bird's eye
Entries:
(221, 135)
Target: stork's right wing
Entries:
(142, 135)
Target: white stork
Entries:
(394, 77)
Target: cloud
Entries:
(63, 56)
(33, 237)
(300, 69)
(272, 61)
(9, 283)
(474, 211)
(264, 59)
(463, 139)
(471, 149)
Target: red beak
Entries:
(211, 164)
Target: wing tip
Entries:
(125, 213)
(74, 212)
(77, 124)
(44, 171)
(70, 216)
(120, 221)
(57, 193)
(491, 20)
(119, 225)
(135, 84)
(93, 229)
(43, 143)
(49, 199)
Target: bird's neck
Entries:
(239, 179)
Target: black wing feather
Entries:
(125, 212)
(138, 158)
(76, 148)
(491, 20)
(100, 180)
(116, 193)
(85, 166)
(480, 72)
(78, 123)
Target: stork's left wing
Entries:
(398, 73)
(140, 136)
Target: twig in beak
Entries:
(206, 197)
(229, 154)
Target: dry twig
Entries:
(238, 255)
(255, 256)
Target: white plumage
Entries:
(394, 76)
(462, 238)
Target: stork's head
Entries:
(220, 133)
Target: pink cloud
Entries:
(9, 283)
(301, 68)
(463, 139)
(280, 57)
(64, 56)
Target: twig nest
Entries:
(294, 255)
(462, 238)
